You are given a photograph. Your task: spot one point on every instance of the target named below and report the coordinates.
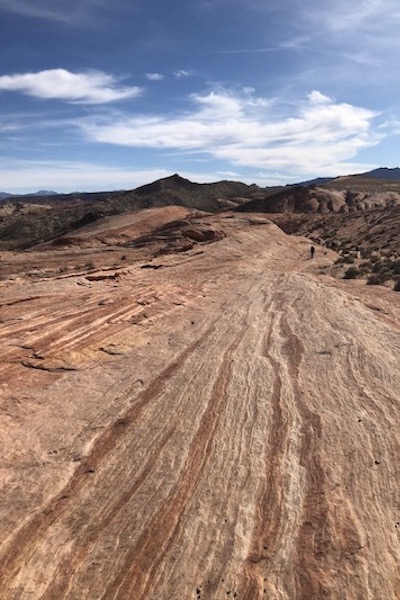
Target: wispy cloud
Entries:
(154, 76)
(93, 87)
(181, 73)
(43, 9)
(320, 136)
(72, 12)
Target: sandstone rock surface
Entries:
(214, 424)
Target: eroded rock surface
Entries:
(221, 425)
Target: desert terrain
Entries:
(193, 408)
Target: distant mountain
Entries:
(39, 194)
(384, 173)
(43, 193)
(210, 197)
(316, 181)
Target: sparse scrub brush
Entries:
(378, 266)
(378, 278)
(396, 267)
(348, 258)
(352, 273)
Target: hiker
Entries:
(312, 251)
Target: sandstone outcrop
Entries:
(218, 423)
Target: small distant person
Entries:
(312, 251)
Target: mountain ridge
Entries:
(28, 220)
(176, 181)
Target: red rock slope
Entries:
(222, 426)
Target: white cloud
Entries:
(154, 76)
(243, 130)
(93, 87)
(315, 97)
(228, 174)
(181, 73)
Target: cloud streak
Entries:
(246, 131)
(73, 12)
(93, 87)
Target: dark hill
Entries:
(385, 173)
(210, 197)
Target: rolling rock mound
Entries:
(216, 423)
(301, 199)
(122, 229)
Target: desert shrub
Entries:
(374, 258)
(396, 267)
(378, 266)
(344, 260)
(378, 278)
(365, 252)
(348, 258)
(352, 273)
(364, 269)
(366, 265)
(396, 286)
(386, 253)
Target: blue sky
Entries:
(101, 95)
